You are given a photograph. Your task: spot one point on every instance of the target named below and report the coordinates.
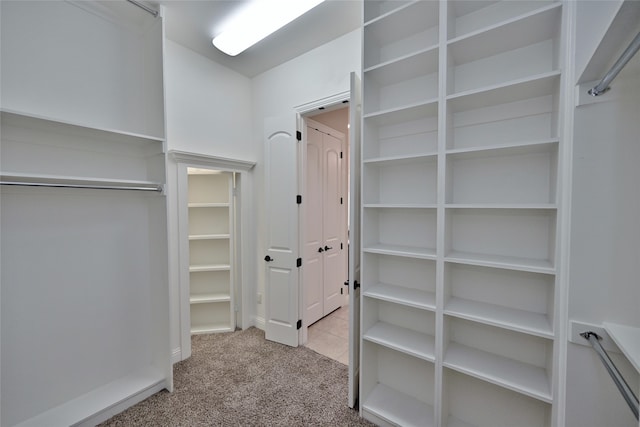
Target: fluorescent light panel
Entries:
(256, 21)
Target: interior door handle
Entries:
(268, 258)
(326, 248)
(320, 250)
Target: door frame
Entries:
(302, 113)
(183, 161)
(325, 129)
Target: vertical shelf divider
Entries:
(440, 404)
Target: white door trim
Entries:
(327, 130)
(184, 160)
(327, 103)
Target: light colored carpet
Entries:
(240, 379)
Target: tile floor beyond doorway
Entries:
(330, 335)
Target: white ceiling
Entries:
(194, 23)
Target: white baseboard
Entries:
(258, 322)
(107, 413)
(176, 355)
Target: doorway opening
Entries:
(212, 263)
(325, 231)
(210, 223)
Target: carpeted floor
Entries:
(240, 379)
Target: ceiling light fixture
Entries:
(256, 21)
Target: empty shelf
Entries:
(500, 316)
(514, 375)
(499, 261)
(402, 339)
(402, 295)
(206, 298)
(210, 267)
(397, 250)
(398, 408)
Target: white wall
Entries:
(208, 112)
(605, 239)
(317, 74)
(95, 80)
(335, 119)
(208, 106)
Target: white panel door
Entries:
(282, 273)
(354, 239)
(332, 224)
(314, 242)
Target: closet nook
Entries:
(85, 293)
(211, 250)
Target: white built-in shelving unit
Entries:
(459, 216)
(210, 206)
(85, 293)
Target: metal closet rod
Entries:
(627, 393)
(156, 188)
(626, 56)
(144, 7)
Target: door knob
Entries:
(320, 250)
(326, 248)
(268, 258)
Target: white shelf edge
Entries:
(414, 157)
(500, 316)
(402, 340)
(491, 368)
(381, 65)
(209, 298)
(139, 383)
(209, 236)
(198, 330)
(499, 147)
(505, 85)
(505, 206)
(379, 113)
(81, 125)
(399, 206)
(222, 163)
(68, 179)
(503, 23)
(404, 251)
(389, 13)
(398, 408)
(507, 263)
(209, 267)
(404, 296)
(627, 338)
(208, 205)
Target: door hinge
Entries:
(341, 154)
(340, 200)
(299, 262)
(299, 135)
(340, 245)
(341, 292)
(299, 199)
(299, 324)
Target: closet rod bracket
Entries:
(626, 56)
